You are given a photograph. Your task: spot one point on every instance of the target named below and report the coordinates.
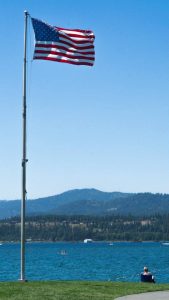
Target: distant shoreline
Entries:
(82, 242)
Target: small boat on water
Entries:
(165, 244)
(88, 241)
(62, 252)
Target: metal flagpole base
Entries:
(22, 280)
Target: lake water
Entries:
(78, 261)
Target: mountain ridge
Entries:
(90, 202)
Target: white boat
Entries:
(88, 241)
(62, 252)
(165, 243)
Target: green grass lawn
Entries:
(73, 290)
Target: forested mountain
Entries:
(77, 228)
(90, 202)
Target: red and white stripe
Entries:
(74, 47)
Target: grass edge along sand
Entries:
(74, 290)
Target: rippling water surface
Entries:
(79, 261)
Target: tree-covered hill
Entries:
(98, 228)
(90, 202)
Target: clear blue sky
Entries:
(105, 127)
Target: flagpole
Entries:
(24, 159)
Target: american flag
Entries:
(72, 46)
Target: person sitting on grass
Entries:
(146, 276)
